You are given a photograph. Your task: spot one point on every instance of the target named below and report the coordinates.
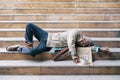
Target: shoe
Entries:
(28, 45)
(13, 47)
(61, 54)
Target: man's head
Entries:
(84, 42)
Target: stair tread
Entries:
(93, 38)
(59, 77)
(3, 50)
(50, 63)
(60, 21)
(55, 14)
(61, 29)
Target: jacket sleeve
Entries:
(71, 40)
(96, 48)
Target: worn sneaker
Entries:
(13, 47)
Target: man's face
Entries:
(83, 43)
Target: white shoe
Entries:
(13, 47)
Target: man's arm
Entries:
(97, 48)
(105, 49)
(61, 52)
(71, 40)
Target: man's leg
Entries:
(31, 30)
(41, 47)
(41, 36)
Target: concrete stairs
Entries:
(98, 19)
(59, 77)
(13, 55)
(100, 36)
(30, 67)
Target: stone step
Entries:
(109, 42)
(61, 1)
(58, 5)
(92, 38)
(14, 55)
(63, 24)
(103, 43)
(59, 77)
(88, 32)
(62, 11)
(94, 0)
(30, 67)
(60, 17)
(73, 21)
(62, 29)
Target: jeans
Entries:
(40, 35)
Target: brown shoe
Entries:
(13, 47)
(60, 54)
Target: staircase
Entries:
(98, 19)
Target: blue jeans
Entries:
(40, 35)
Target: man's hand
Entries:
(105, 49)
(76, 60)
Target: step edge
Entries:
(61, 29)
(92, 38)
(51, 63)
(60, 21)
(3, 50)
